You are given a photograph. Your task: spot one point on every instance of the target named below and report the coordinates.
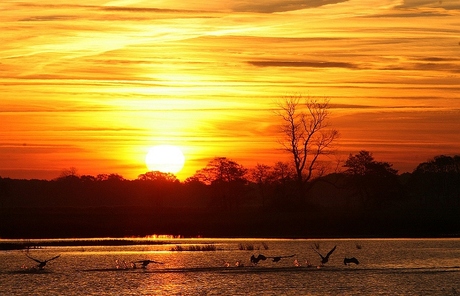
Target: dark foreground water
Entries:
(387, 267)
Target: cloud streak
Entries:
(306, 64)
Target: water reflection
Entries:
(405, 267)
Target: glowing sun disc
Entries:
(165, 158)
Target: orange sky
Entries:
(93, 85)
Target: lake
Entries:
(387, 267)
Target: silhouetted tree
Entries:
(363, 163)
(307, 135)
(440, 164)
(70, 172)
(158, 176)
(374, 182)
(110, 177)
(4, 190)
(160, 187)
(197, 193)
(227, 178)
(221, 169)
(437, 182)
(192, 180)
(87, 178)
(285, 186)
(283, 173)
(262, 175)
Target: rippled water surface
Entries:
(387, 267)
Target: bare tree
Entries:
(283, 172)
(70, 172)
(307, 134)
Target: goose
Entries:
(144, 263)
(42, 263)
(350, 260)
(325, 259)
(256, 260)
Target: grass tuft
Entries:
(252, 247)
(194, 248)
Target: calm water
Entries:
(387, 267)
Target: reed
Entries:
(252, 247)
(194, 248)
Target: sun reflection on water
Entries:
(404, 267)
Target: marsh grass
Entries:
(252, 247)
(194, 248)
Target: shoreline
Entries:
(7, 244)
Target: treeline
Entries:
(365, 198)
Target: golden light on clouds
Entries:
(93, 85)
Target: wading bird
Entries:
(42, 263)
(350, 260)
(144, 263)
(325, 259)
(256, 260)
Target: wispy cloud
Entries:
(307, 64)
(443, 4)
(271, 6)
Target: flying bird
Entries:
(278, 258)
(144, 263)
(346, 261)
(42, 263)
(256, 260)
(325, 259)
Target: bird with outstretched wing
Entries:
(144, 263)
(259, 257)
(42, 263)
(325, 259)
(347, 261)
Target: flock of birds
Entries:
(42, 263)
(324, 259)
(254, 260)
(260, 257)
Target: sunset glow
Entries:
(94, 84)
(165, 158)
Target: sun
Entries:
(165, 158)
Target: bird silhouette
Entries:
(256, 260)
(325, 259)
(144, 263)
(42, 263)
(346, 261)
(278, 258)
